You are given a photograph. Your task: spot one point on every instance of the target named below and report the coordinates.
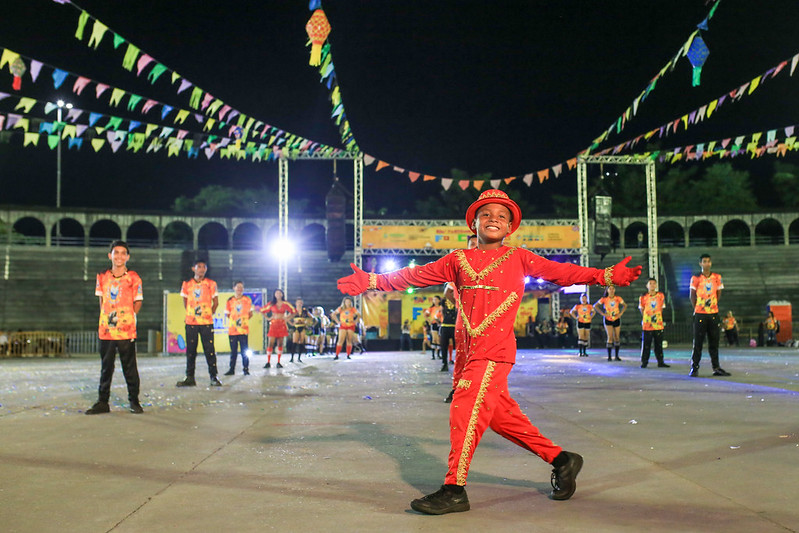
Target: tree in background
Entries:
(228, 201)
(786, 183)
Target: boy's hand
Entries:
(624, 275)
(357, 282)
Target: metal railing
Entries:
(36, 344)
(82, 342)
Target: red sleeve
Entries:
(563, 274)
(434, 273)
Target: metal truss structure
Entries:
(651, 202)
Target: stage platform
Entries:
(345, 445)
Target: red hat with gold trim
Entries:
(495, 196)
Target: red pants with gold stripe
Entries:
(481, 401)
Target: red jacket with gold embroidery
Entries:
(490, 284)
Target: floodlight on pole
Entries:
(61, 104)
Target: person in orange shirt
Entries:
(278, 312)
(611, 307)
(772, 328)
(346, 316)
(731, 329)
(583, 313)
(651, 305)
(433, 316)
(238, 310)
(490, 282)
(120, 293)
(706, 290)
(200, 299)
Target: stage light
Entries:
(410, 290)
(412, 263)
(282, 248)
(389, 265)
(248, 353)
(527, 279)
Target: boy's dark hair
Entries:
(198, 261)
(471, 236)
(237, 282)
(652, 279)
(116, 243)
(703, 256)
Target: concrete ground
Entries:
(345, 445)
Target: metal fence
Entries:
(82, 342)
(35, 344)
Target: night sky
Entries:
(508, 87)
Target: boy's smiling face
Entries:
(492, 223)
(119, 256)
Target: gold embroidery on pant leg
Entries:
(468, 439)
(464, 383)
(483, 273)
(503, 308)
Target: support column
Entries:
(652, 219)
(282, 221)
(357, 192)
(582, 213)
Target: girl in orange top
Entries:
(277, 312)
(346, 316)
(611, 307)
(583, 313)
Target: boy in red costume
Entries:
(490, 283)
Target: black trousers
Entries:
(206, 334)
(706, 325)
(236, 342)
(127, 356)
(646, 344)
(445, 333)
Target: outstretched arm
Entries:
(566, 274)
(434, 273)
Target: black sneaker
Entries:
(449, 397)
(445, 368)
(442, 501)
(230, 372)
(618, 358)
(246, 371)
(98, 408)
(278, 365)
(663, 365)
(215, 382)
(135, 407)
(720, 372)
(267, 365)
(564, 479)
(188, 382)
(643, 365)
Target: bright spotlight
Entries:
(390, 265)
(282, 248)
(248, 353)
(527, 279)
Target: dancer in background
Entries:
(239, 312)
(583, 313)
(120, 293)
(346, 316)
(278, 312)
(200, 298)
(611, 307)
(651, 305)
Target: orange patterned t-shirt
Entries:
(238, 315)
(199, 301)
(117, 319)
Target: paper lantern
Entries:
(697, 55)
(318, 29)
(18, 69)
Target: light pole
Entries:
(61, 104)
